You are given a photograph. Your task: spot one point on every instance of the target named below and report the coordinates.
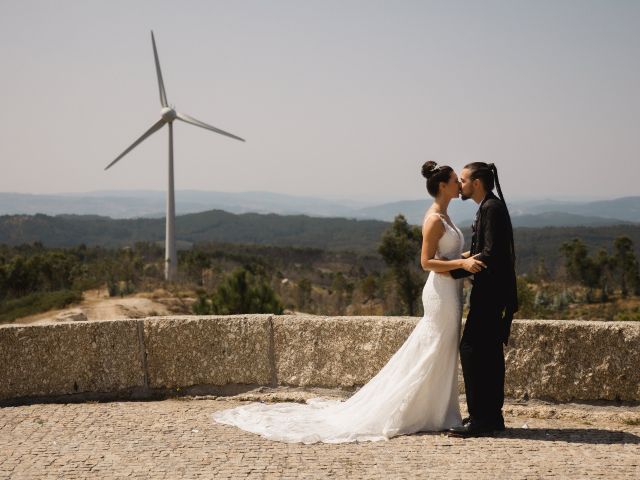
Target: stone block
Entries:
(208, 350)
(335, 352)
(573, 360)
(68, 358)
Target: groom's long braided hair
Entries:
(487, 173)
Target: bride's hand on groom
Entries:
(473, 265)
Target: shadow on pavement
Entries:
(571, 435)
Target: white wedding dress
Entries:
(417, 390)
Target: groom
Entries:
(493, 302)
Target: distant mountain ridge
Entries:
(564, 219)
(624, 208)
(137, 204)
(150, 204)
(210, 226)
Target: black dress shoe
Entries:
(471, 429)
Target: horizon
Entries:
(132, 204)
(362, 200)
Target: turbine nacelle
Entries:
(168, 114)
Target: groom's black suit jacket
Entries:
(494, 288)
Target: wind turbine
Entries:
(168, 115)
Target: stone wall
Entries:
(548, 359)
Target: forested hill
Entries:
(532, 244)
(213, 225)
(535, 244)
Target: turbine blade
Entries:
(198, 123)
(154, 128)
(163, 94)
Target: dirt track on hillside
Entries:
(97, 305)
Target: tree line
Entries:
(223, 278)
(582, 278)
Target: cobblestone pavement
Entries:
(176, 439)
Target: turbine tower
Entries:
(168, 115)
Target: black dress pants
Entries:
(482, 359)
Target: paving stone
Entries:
(156, 440)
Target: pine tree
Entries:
(400, 249)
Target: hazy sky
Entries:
(340, 99)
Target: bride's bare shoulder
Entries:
(432, 223)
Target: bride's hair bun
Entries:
(435, 175)
(429, 168)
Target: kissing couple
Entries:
(417, 389)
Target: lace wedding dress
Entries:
(417, 390)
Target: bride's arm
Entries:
(432, 231)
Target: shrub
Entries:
(36, 303)
(241, 292)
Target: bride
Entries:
(417, 390)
